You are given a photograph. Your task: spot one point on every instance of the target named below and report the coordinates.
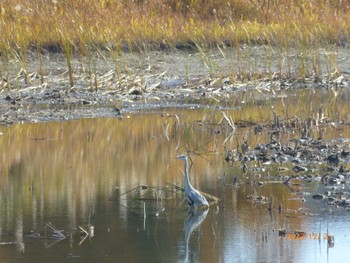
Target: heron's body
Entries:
(194, 198)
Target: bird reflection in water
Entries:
(193, 221)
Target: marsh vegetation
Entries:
(298, 39)
(97, 98)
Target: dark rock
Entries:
(318, 196)
(333, 159)
(299, 168)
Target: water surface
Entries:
(80, 173)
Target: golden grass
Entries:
(308, 30)
(155, 23)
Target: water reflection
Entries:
(69, 172)
(193, 221)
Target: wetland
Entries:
(90, 173)
(98, 98)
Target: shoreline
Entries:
(105, 87)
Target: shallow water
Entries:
(90, 171)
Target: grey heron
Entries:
(194, 198)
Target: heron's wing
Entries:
(197, 198)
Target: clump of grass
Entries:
(68, 52)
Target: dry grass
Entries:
(78, 27)
(114, 23)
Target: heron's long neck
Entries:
(187, 179)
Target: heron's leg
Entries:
(190, 201)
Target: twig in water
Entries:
(229, 121)
(57, 234)
(86, 233)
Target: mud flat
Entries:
(136, 82)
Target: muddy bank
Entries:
(37, 92)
